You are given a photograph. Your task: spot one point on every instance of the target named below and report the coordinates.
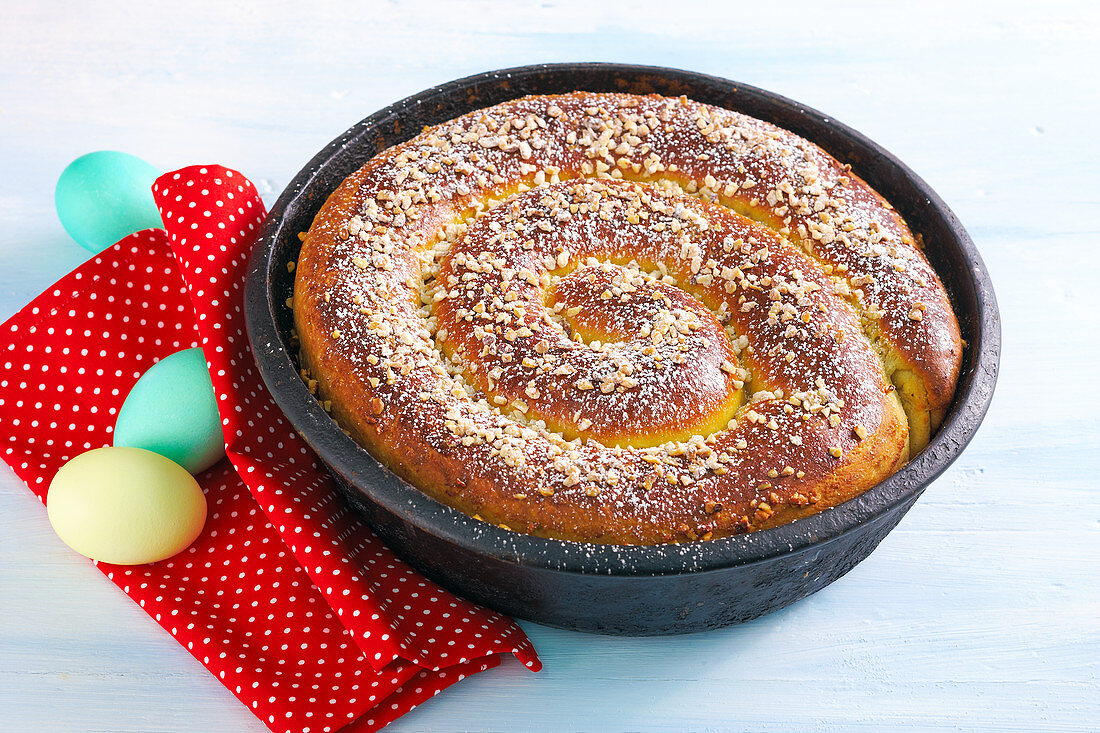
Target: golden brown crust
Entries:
(566, 362)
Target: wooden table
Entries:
(981, 611)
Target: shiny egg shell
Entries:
(125, 506)
(171, 410)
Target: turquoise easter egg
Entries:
(105, 196)
(172, 411)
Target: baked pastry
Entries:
(623, 319)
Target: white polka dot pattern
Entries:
(286, 597)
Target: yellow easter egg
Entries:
(125, 506)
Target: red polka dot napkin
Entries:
(286, 597)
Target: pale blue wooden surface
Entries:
(981, 611)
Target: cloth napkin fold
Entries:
(287, 597)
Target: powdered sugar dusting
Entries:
(556, 300)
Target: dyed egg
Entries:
(171, 411)
(105, 196)
(125, 506)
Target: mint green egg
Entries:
(172, 411)
(102, 197)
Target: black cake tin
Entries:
(631, 590)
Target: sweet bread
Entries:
(623, 319)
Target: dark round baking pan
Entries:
(662, 589)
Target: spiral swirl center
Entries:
(551, 314)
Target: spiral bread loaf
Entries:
(623, 319)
